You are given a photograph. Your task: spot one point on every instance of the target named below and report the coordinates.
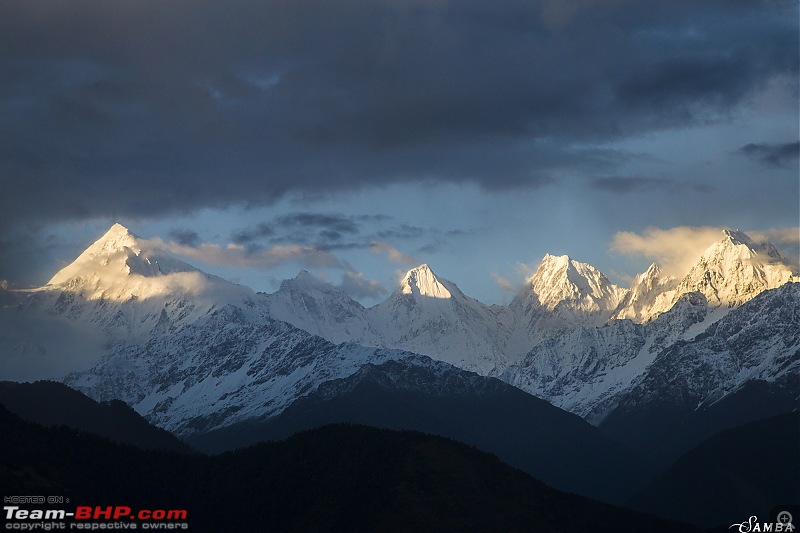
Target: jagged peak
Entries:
(305, 281)
(423, 282)
(421, 268)
(116, 241)
(563, 262)
(735, 269)
(119, 253)
(555, 261)
(563, 279)
(116, 238)
(652, 275)
(303, 277)
(553, 268)
(736, 237)
(652, 271)
(738, 245)
(117, 229)
(739, 238)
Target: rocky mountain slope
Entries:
(757, 343)
(223, 368)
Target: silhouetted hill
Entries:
(52, 403)
(337, 478)
(748, 470)
(552, 445)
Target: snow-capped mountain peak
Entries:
(651, 294)
(650, 279)
(115, 256)
(121, 267)
(421, 281)
(303, 281)
(318, 307)
(117, 243)
(736, 269)
(121, 289)
(652, 272)
(117, 238)
(580, 286)
(736, 237)
(561, 295)
(431, 316)
(738, 245)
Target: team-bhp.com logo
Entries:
(87, 517)
(782, 523)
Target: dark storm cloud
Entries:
(403, 231)
(249, 235)
(643, 184)
(324, 230)
(185, 237)
(18, 260)
(331, 223)
(331, 232)
(776, 155)
(631, 184)
(31, 256)
(152, 107)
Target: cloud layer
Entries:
(776, 155)
(150, 107)
(238, 255)
(675, 250)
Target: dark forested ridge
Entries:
(334, 478)
(51, 403)
(749, 470)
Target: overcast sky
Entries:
(357, 139)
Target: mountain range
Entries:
(657, 367)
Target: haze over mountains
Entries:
(215, 362)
